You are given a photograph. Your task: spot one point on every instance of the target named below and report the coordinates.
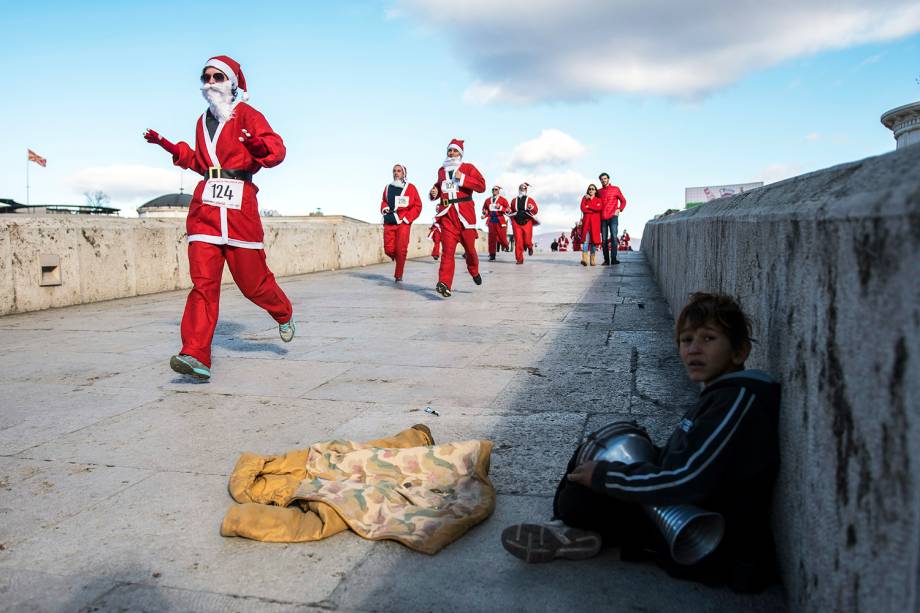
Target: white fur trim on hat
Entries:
(224, 68)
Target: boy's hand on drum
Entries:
(582, 473)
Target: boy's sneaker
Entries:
(187, 365)
(442, 289)
(477, 279)
(545, 542)
(286, 330)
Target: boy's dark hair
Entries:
(724, 311)
(603, 174)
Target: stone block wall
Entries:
(103, 258)
(828, 266)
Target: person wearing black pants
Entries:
(613, 204)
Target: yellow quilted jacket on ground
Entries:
(402, 488)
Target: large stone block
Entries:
(827, 265)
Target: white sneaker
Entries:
(286, 330)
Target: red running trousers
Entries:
(497, 236)
(523, 238)
(453, 232)
(396, 244)
(252, 276)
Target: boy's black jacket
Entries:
(723, 457)
(725, 448)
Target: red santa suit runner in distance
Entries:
(494, 211)
(457, 217)
(434, 233)
(404, 209)
(523, 232)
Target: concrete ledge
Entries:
(108, 258)
(828, 265)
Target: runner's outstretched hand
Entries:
(254, 144)
(155, 139)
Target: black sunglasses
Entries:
(218, 77)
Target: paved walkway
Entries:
(113, 470)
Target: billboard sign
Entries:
(695, 196)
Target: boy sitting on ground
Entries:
(722, 457)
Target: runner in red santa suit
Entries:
(576, 237)
(494, 210)
(563, 242)
(400, 206)
(233, 141)
(434, 233)
(522, 212)
(457, 180)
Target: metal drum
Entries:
(691, 533)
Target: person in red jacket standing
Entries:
(400, 206)
(523, 218)
(591, 208)
(233, 141)
(457, 180)
(494, 210)
(614, 203)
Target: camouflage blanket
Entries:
(422, 496)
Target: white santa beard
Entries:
(220, 99)
(452, 164)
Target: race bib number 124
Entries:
(223, 192)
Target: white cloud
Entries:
(524, 50)
(813, 136)
(551, 147)
(543, 163)
(132, 182)
(557, 193)
(563, 186)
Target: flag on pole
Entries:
(34, 157)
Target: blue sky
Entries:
(353, 87)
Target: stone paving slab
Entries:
(179, 433)
(394, 580)
(113, 469)
(34, 413)
(26, 591)
(164, 531)
(39, 494)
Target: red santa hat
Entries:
(233, 70)
(456, 144)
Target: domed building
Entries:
(169, 205)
